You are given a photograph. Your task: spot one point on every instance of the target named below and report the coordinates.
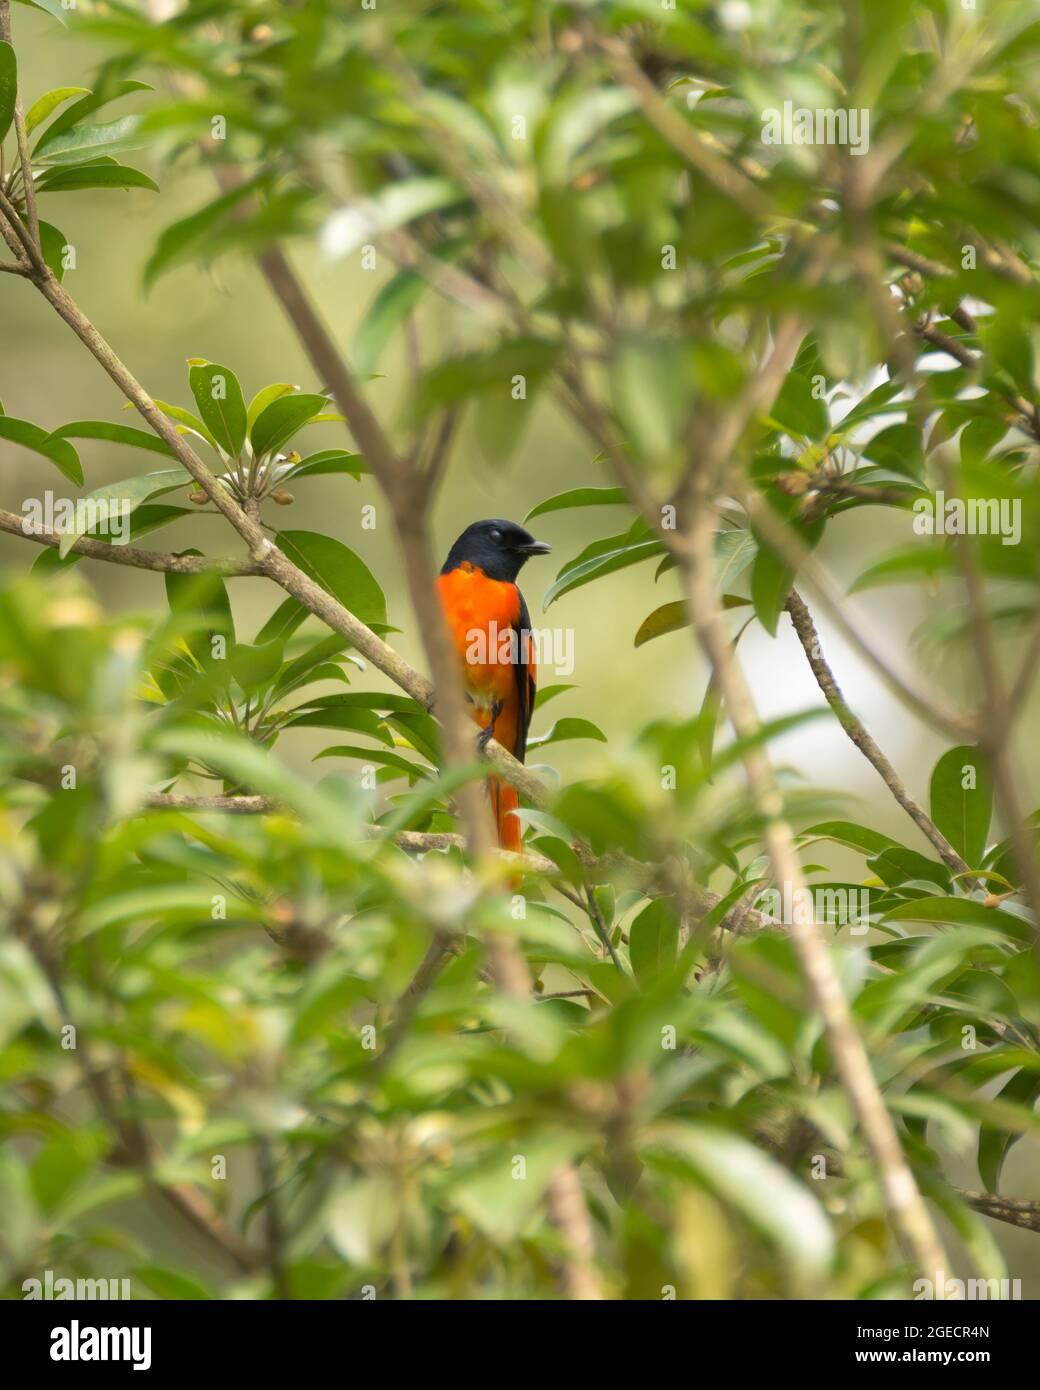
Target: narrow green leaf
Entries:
(653, 940)
(52, 7)
(218, 396)
(8, 87)
(568, 728)
(99, 175)
(179, 239)
(86, 106)
(113, 434)
(758, 1187)
(278, 422)
(85, 142)
(53, 244)
(33, 437)
(598, 565)
(42, 107)
(263, 399)
(995, 1144)
(129, 493)
(579, 497)
(962, 801)
(381, 756)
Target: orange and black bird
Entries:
(490, 629)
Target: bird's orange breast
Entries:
(480, 613)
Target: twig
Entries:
(1015, 1211)
(130, 555)
(802, 622)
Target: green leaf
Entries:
(382, 757)
(964, 912)
(995, 1144)
(86, 106)
(189, 422)
(178, 240)
(254, 667)
(327, 461)
(144, 520)
(575, 121)
(33, 437)
(962, 801)
(53, 244)
(495, 1201)
(653, 940)
(94, 176)
(85, 142)
(623, 552)
(42, 107)
(897, 448)
(755, 1185)
(671, 617)
(52, 7)
(545, 693)
(263, 399)
(336, 568)
(218, 396)
(650, 390)
(130, 492)
(797, 411)
(8, 87)
(278, 422)
(568, 728)
(113, 434)
(203, 598)
(579, 497)
(846, 832)
(391, 306)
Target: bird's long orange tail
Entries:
(504, 800)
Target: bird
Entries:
(490, 629)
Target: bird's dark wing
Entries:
(526, 675)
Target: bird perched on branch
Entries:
(490, 629)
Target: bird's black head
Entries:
(499, 548)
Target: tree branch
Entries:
(803, 625)
(130, 555)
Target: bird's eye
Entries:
(496, 534)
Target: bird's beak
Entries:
(534, 548)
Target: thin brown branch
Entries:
(130, 555)
(802, 622)
(1015, 1211)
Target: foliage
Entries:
(586, 189)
